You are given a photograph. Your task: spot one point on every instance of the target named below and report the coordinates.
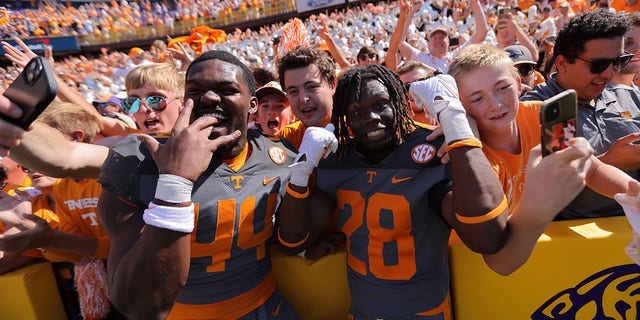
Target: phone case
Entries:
(33, 90)
(558, 121)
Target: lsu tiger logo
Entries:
(613, 293)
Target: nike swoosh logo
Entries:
(395, 180)
(277, 310)
(266, 181)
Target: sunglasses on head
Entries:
(132, 105)
(364, 56)
(525, 70)
(600, 65)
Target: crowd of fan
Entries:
(351, 29)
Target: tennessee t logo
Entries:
(237, 180)
(371, 174)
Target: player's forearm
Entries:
(148, 278)
(294, 222)
(478, 195)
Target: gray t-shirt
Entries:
(612, 115)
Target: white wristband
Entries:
(173, 189)
(179, 219)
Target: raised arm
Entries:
(400, 33)
(481, 22)
(46, 150)
(336, 52)
(477, 207)
(305, 211)
(522, 36)
(108, 126)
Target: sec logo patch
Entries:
(422, 153)
(277, 155)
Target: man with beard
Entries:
(197, 249)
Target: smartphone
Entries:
(558, 121)
(33, 90)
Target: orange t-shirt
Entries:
(511, 168)
(294, 133)
(621, 5)
(76, 203)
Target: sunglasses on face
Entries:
(525, 70)
(132, 105)
(600, 65)
(364, 57)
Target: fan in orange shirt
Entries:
(78, 237)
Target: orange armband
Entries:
(471, 142)
(296, 194)
(485, 217)
(292, 245)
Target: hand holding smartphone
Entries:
(33, 90)
(558, 121)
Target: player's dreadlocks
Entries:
(348, 91)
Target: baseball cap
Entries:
(269, 88)
(107, 99)
(519, 54)
(439, 28)
(135, 51)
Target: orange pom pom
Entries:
(294, 33)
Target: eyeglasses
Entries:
(600, 65)
(525, 70)
(132, 105)
(364, 56)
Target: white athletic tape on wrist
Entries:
(300, 172)
(173, 189)
(453, 120)
(179, 219)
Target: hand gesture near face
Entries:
(188, 151)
